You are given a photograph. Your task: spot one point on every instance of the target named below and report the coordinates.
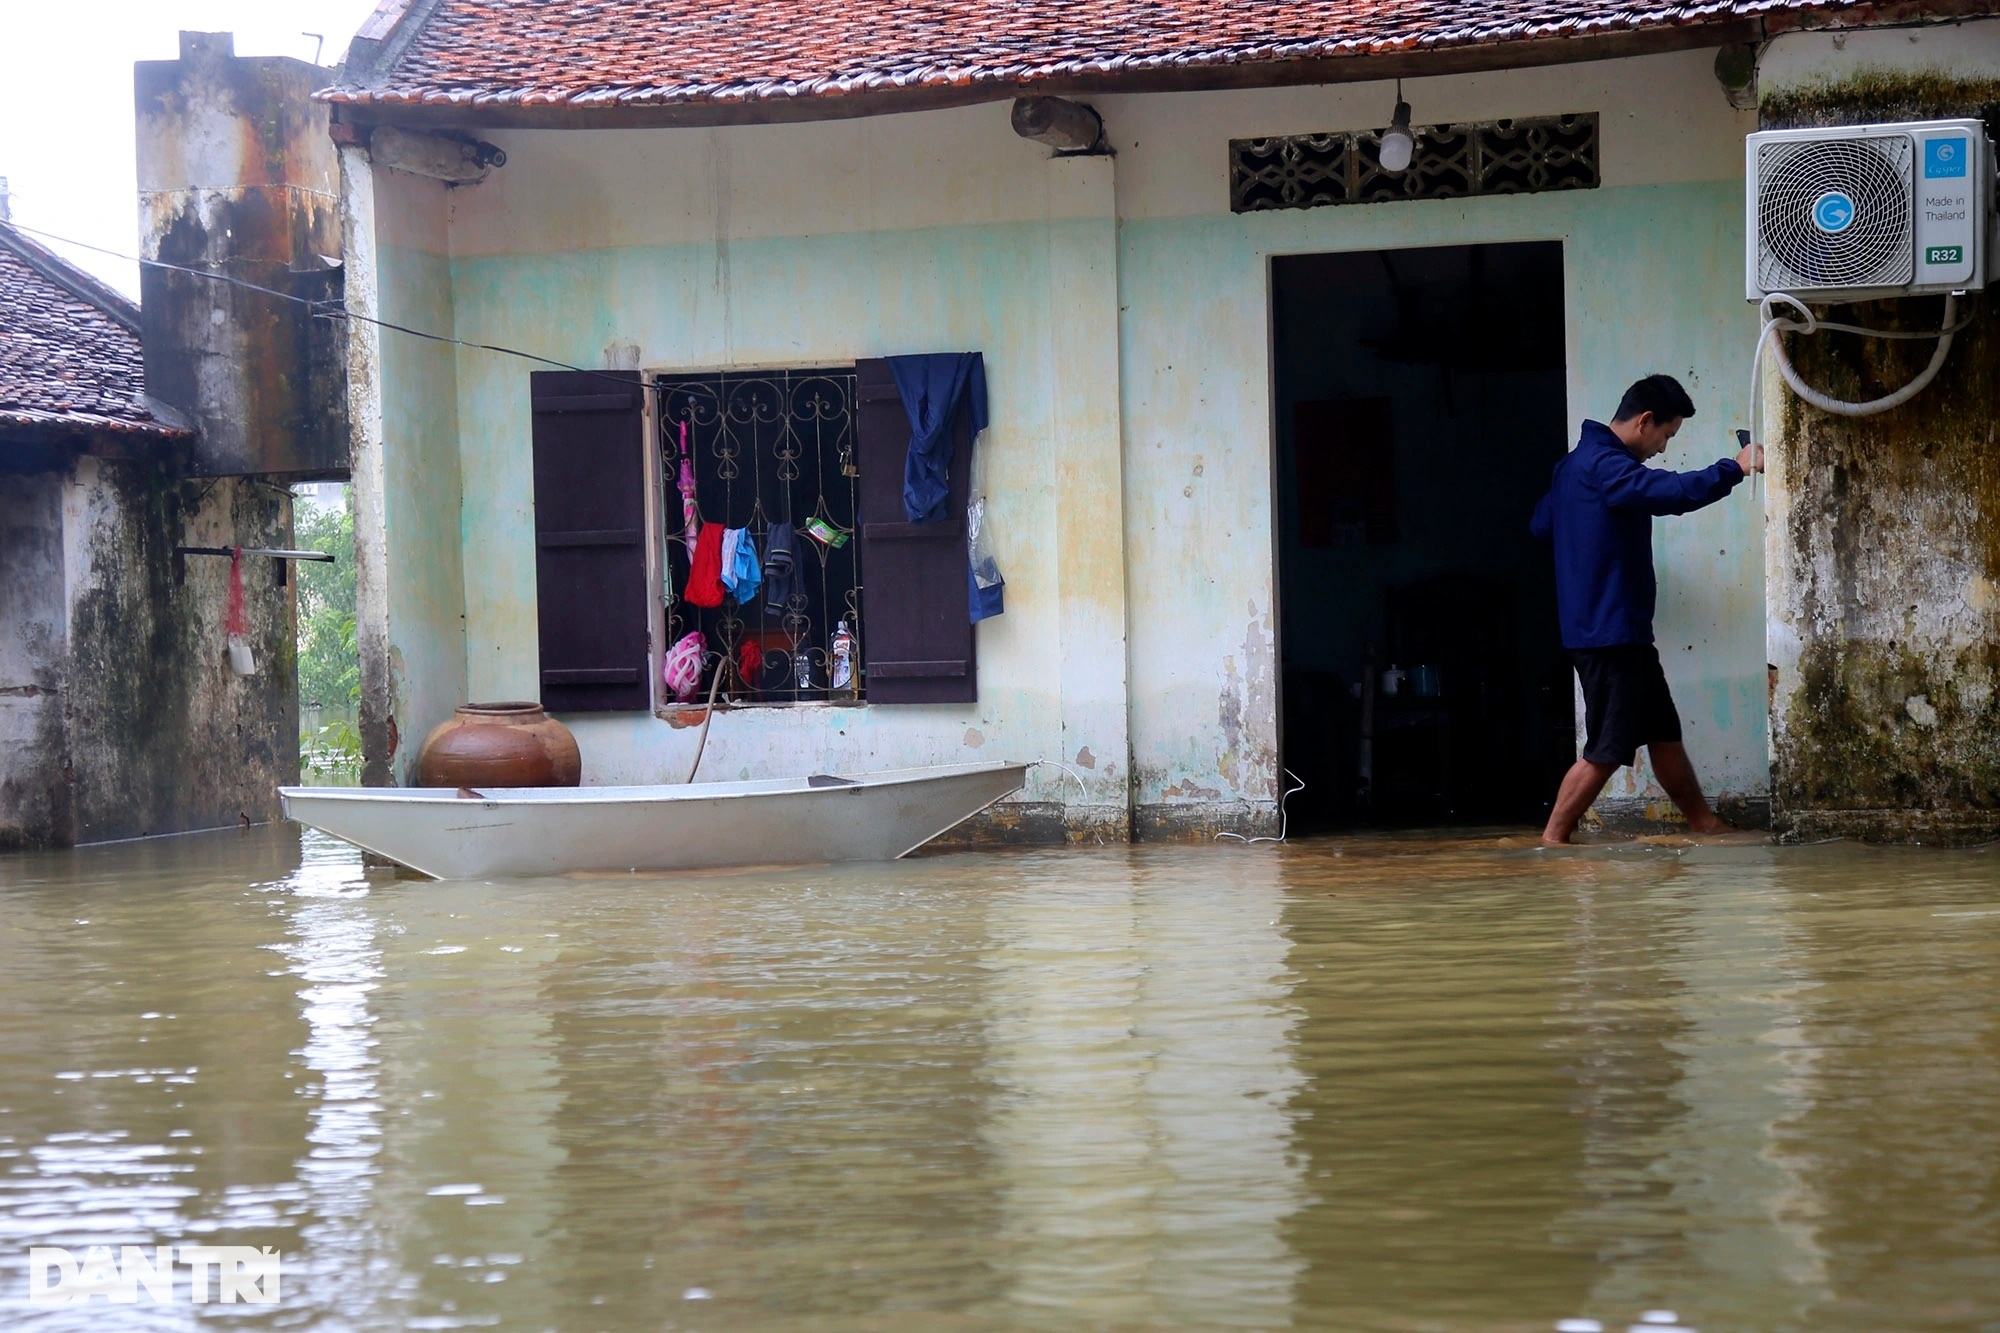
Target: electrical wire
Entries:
(1284, 819)
(334, 310)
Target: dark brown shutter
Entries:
(916, 629)
(590, 540)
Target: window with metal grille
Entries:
(1525, 155)
(771, 455)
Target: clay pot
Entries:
(510, 744)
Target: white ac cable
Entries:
(1283, 817)
(1775, 323)
(1082, 787)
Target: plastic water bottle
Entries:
(802, 671)
(843, 657)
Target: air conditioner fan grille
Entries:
(1803, 186)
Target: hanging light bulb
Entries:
(1399, 145)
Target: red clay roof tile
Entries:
(70, 356)
(598, 53)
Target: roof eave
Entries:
(829, 100)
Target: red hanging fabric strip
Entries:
(235, 619)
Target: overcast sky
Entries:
(66, 100)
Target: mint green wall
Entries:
(801, 301)
(1653, 275)
(942, 231)
(420, 497)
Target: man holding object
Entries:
(1599, 513)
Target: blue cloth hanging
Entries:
(932, 386)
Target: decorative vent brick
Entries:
(1526, 155)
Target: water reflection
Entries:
(331, 947)
(1431, 1083)
(1142, 1048)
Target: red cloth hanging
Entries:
(705, 576)
(235, 619)
(749, 662)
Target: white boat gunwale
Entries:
(374, 818)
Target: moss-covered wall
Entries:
(163, 737)
(138, 725)
(1884, 542)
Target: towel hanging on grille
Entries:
(705, 575)
(680, 669)
(740, 570)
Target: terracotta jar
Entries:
(512, 744)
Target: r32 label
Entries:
(1945, 254)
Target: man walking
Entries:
(1599, 513)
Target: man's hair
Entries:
(1662, 395)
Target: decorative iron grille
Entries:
(1522, 156)
(766, 448)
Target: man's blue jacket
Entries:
(1599, 512)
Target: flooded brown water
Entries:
(1419, 1084)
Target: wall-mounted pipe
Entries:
(181, 553)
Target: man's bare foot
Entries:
(1713, 824)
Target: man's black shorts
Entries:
(1626, 703)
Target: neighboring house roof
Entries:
(498, 57)
(70, 357)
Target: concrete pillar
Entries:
(364, 414)
(1883, 567)
(237, 177)
(1090, 503)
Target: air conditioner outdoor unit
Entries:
(1864, 211)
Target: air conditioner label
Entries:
(1944, 158)
(1949, 202)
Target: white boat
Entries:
(462, 834)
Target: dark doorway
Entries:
(1420, 406)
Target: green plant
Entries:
(332, 753)
(329, 661)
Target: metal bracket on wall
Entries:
(181, 553)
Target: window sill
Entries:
(671, 712)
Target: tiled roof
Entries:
(630, 53)
(70, 356)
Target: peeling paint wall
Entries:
(1885, 530)
(119, 715)
(1124, 314)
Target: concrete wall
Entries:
(119, 716)
(237, 175)
(1885, 531)
(1124, 313)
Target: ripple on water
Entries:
(1418, 1082)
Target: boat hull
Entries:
(555, 830)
